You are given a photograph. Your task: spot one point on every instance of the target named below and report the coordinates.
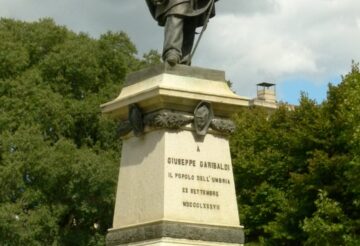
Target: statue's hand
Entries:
(158, 2)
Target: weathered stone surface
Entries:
(174, 176)
(179, 88)
(175, 230)
(124, 128)
(223, 125)
(184, 71)
(203, 115)
(168, 119)
(175, 120)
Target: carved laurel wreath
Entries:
(170, 120)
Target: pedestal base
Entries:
(175, 233)
(179, 242)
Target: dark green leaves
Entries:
(59, 156)
(297, 171)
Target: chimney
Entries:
(266, 92)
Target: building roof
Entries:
(265, 84)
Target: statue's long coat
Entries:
(189, 8)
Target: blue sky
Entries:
(290, 91)
(301, 45)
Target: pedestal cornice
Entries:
(178, 88)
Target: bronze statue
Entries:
(180, 19)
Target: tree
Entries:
(297, 171)
(59, 156)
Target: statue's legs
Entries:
(188, 40)
(179, 39)
(172, 51)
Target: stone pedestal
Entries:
(176, 184)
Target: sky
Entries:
(300, 45)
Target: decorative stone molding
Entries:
(223, 125)
(136, 119)
(167, 119)
(124, 128)
(169, 229)
(203, 115)
(174, 120)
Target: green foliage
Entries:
(58, 154)
(326, 226)
(151, 58)
(298, 172)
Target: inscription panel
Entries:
(195, 169)
(199, 184)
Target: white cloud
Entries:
(91, 16)
(246, 7)
(314, 40)
(253, 41)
